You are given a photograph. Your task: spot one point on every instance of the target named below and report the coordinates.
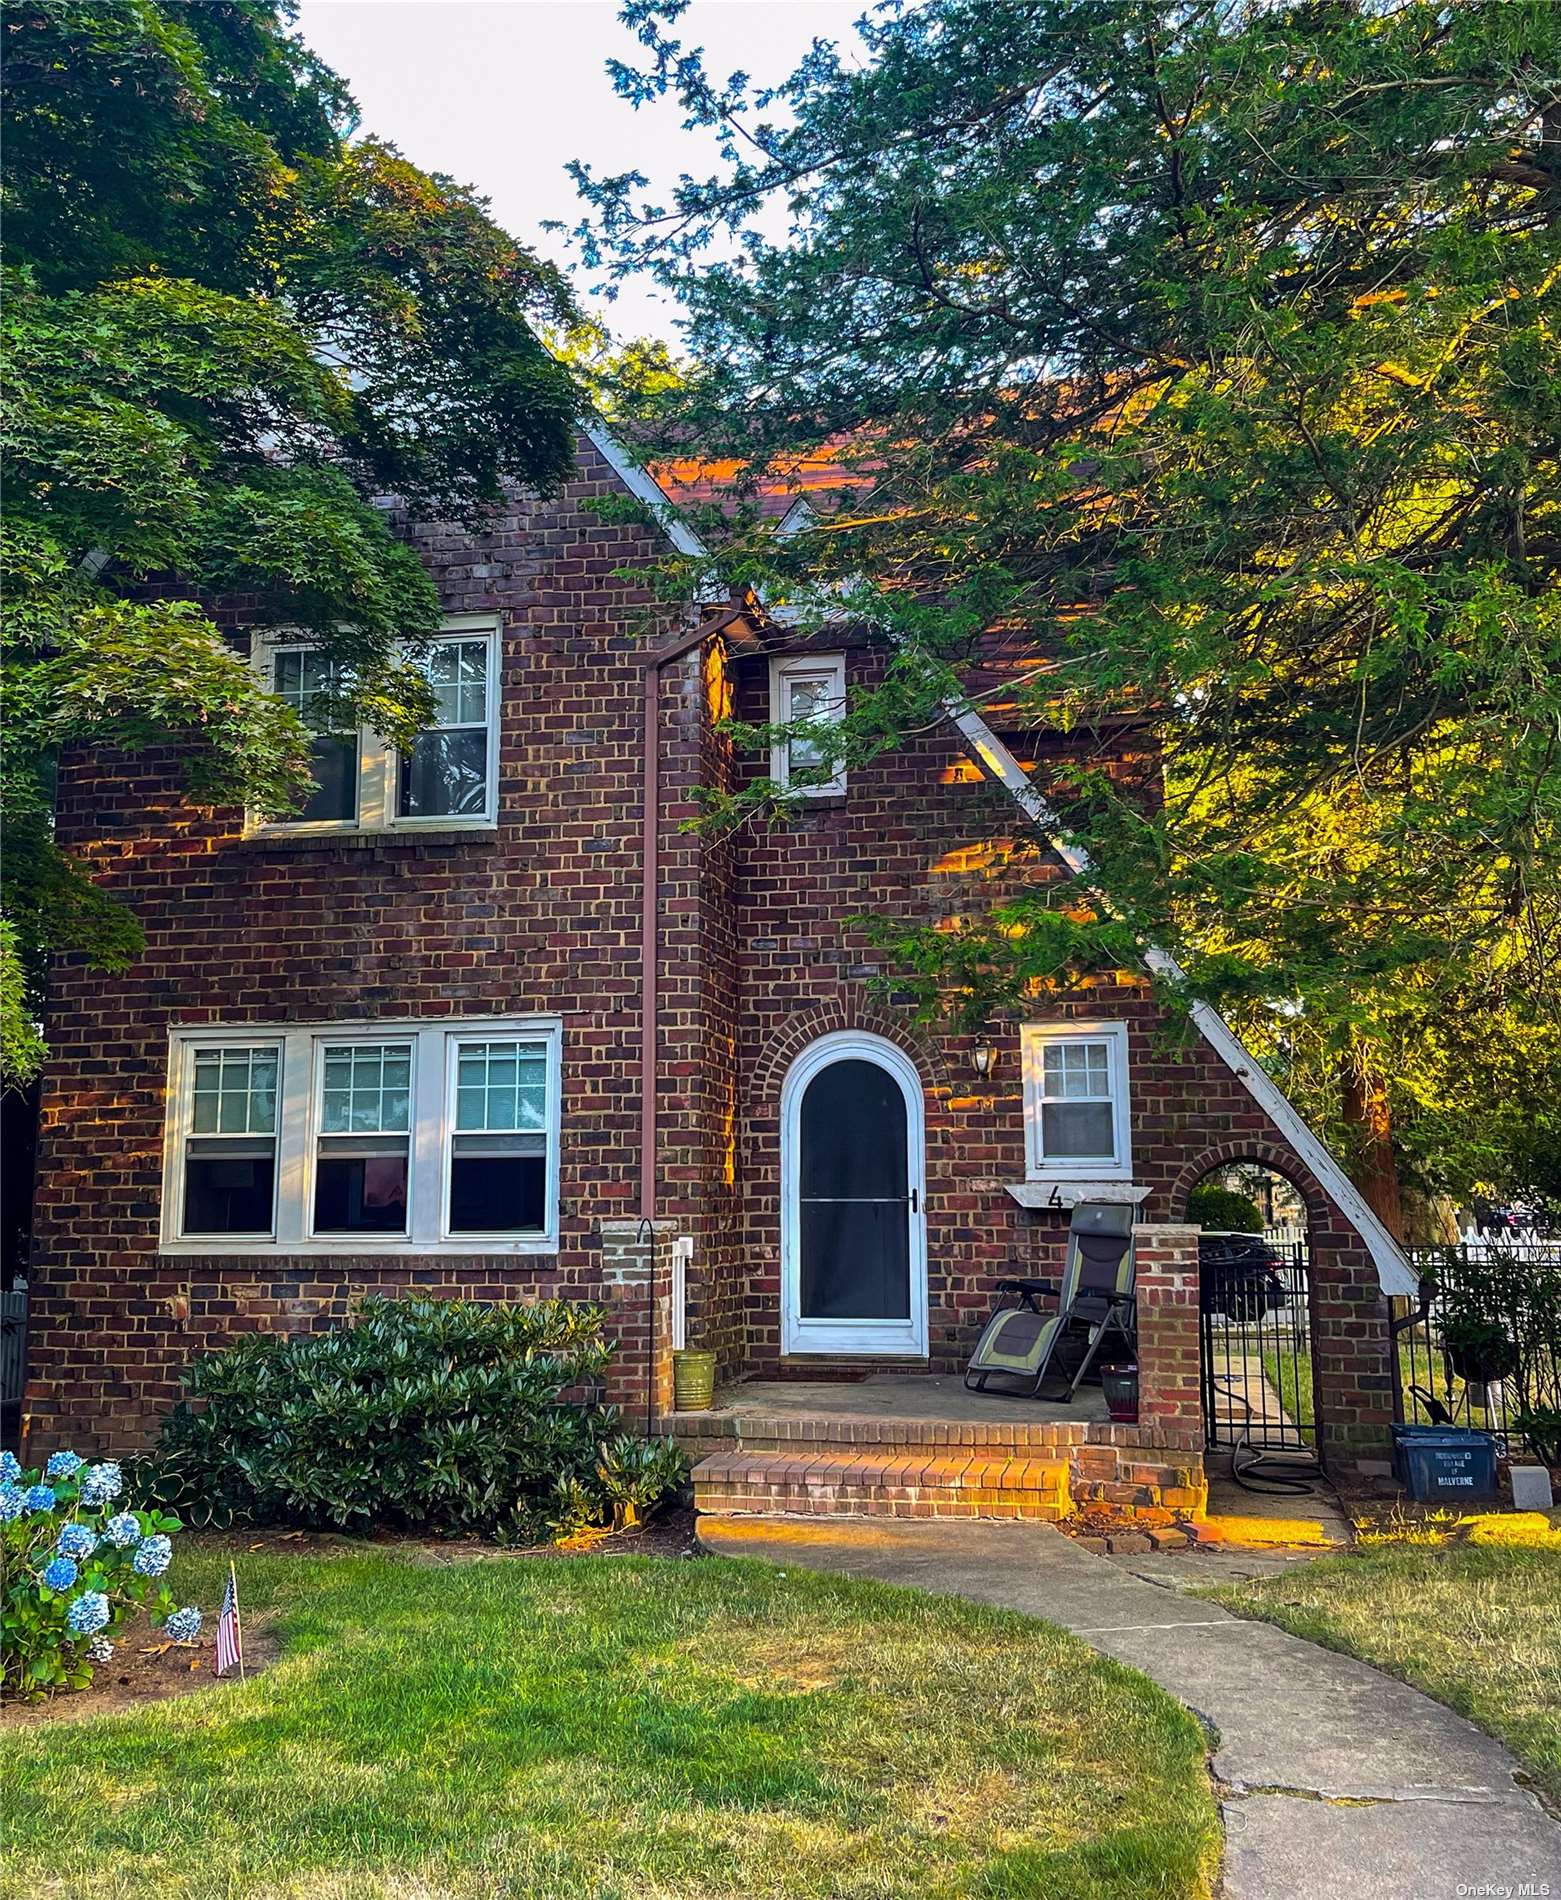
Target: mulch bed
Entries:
(146, 1668)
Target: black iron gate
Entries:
(1255, 1324)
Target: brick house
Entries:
(488, 1019)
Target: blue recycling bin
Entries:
(1445, 1464)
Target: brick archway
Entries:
(846, 1012)
(1263, 1154)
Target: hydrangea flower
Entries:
(152, 1557)
(64, 1464)
(76, 1540)
(184, 1625)
(100, 1650)
(123, 1531)
(39, 1498)
(101, 1483)
(12, 1503)
(87, 1615)
(10, 1470)
(59, 1573)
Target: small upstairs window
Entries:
(1076, 1101)
(447, 778)
(811, 687)
(449, 771)
(306, 679)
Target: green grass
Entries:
(623, 1729)
(1291, 1376)
(1476, 1626)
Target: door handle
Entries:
(915, 1200)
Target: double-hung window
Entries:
(375, 1137)
(1076, 1101)
(810, 688)
(363, 1150)
(308, 681)
(449, 770)
(498, 1137)
(230, 1148)
(448, 775)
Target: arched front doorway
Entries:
(853, 1225)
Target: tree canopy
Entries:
(1193, 364)
(228, 326)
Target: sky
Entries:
(500, 93)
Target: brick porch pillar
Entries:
(1170, 1395)
(637, 1292)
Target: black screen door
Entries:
(854, 1196)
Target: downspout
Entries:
(650, 859)
(650, 862)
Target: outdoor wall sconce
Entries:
(984, 1057)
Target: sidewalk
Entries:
(1333, 1779)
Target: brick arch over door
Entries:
(788, 1040)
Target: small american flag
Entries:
(230, 1639)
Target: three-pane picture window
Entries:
(399, 1135)
(1076, 1100)
(447, 775)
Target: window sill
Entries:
(821, 801)
(366, 840)
(349, 1247)
(1041, 1195)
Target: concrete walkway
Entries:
(1333, 1779)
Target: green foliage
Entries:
(634, 1475)
(1224, 1209)
(1500, 1317)
(51, 1636)
(1198, 368)
(430, 1415)
(227, 329)
(21, 1042)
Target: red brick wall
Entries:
(758, 956)
(543, 915)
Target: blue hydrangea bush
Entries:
(74, 1563)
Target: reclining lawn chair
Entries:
(1023, 1346)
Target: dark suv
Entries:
(1238, 1276)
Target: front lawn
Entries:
(623, 1729)
(1476, 1626)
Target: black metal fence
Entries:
(1482, 1345)
(1255, 1319)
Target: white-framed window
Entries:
(378, 1137)
(810, 686)
(1076, 1110)
(447, 778)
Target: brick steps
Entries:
(946, 1481)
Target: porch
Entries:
(920, 1445)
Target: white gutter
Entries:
(1394, 1273)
